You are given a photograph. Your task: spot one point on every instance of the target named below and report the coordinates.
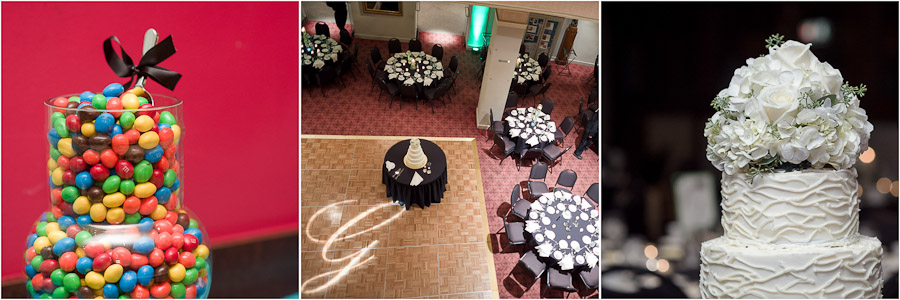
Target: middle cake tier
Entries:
(809, 206)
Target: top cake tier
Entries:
(809, 206)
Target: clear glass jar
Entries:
(116, 225)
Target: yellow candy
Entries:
(51, 164)
(130, 100)
(65, 147)
(176, 273)
(80, 252)
(114, 200)
(143, 123)
(55, 236)
(98, 212)
(82, 205)
(51, 227)
(202, 272)
(115, 216)
(94, 280)
(159, 213)
(201, 251)
(144, 190)
(176, 131)
(113, 273)
(87, 129)
(40, 243)
(148, 140)
(56, 176)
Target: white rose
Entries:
(829, 77)
(795, 55)
(793, 153)
(779, 103)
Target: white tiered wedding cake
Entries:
(415, 158)
(786, 134)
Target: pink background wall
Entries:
(240, 93)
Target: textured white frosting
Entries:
(415, 158)
(847, 270)
(809, 206)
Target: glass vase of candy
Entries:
(116, 225)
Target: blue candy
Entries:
(175, 185)
(30, 241)
(162, 195)
(164, 125)
(104, 122)
(50, 181)
(113, 90)
(84, 265)
(145, 225)
(84, 180)
(65, 222)
(83, 220)
(110, 291)
(128, 281)
(195, 232)
(117, 130)
(154, 155)
(86, 96)
(144, 275)
(29, 270)
(53, 137)
(63, 245)
(83, 104)
(144, 245)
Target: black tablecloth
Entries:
(577, 229)
(420, 69)
(433, 185)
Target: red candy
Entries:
(166, 136)
(178, 229)
(73, 123)
(144, 112)
(124, 169)
(156, 257)
(48, 285)
(133, 135)
(140, 292)
(114, 103)
(68, 177)
(190, 242)
(172, 217)
(148, 205)
(65, 208)
(73, 230)
(190, 292)
(93, 249)
(99, 173)
(63, 162)
(171, 255)
(158, 179)
(187, 259)
(172, 203)
(77, 164)
(169, 153)
(109, 158)
(57, 210)
(178, 240)
(163, 240)
(67, 261)
(48, 265)
(91, 157)
(162, 164)
(37, 282)
(120, 144)
(60, 102)
(160, 290)
(163, 226)
(56, 196)
(138, 261)
(122, 256)
(30, 254)
(132, 205)
(101, 262)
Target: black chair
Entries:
(521, 90)
(390, 88)
(538, 89)
(593, 97)
(547, 106)
(454, 64)
(375, 55)
(505, 144)
(354, 56)
(327, 75)
(533, 264)
(593, 192)
(515, 232)
(559, 280)
(528, 154)
(451, 83)
(567, 178)
(415, 45)
(496, 125)
(512, 102)
(431, 94)
(394, 46)
(552, 153)
(519, 206)
(546, 74)
(371, 73)
(409, 91)
(537, 188)
(590, 277)
(322, 28)
(345, 37)
(564, 128)
(585, 115)
(346, 66)
(437, 51)
(522, 49)
(543, 60)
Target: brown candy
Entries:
(47, 253)
(85, 292)
(71, 108)
(161, 274)
(95, 194)
(88, 113)
(81, 144)
(100, 142)
(184, 220)
(134, 155)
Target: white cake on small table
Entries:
(415, 158)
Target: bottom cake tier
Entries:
(739, 269)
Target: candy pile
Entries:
(116, 227)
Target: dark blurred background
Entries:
(662, 64)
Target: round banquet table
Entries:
(527, 71)
(525, 134)
(318, 51)
(565, 228)
(398, 178)
(428, 71)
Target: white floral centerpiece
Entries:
(319, 48)
(786, 110)
(401, 67)
(530, 69)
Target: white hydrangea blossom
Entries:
(768, 112)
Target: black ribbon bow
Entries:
(124, 66)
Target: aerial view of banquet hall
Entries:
(449, 149)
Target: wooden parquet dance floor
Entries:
(357, 244)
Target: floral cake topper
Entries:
(786, 110)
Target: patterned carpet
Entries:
(357, 111)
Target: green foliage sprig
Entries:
(719, 103)
(847, 90)
(764, 165)
(774, 40)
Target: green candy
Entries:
(56, 116)
(82, 237)
(126, 120)
(193, 224)
(60, 293)
(132, 218)
(124, 296)
(54, 154)
(142, 100)
(167, 117)
(36, 262)
(41, 229)
(57, 277)
(74, 99)
(71, 282)
(111, 184)
(99, 101)
(143, 172)
(126, 187)
(169, 178)
(50, 217)
(61, 129)
(29, 288)
(69, 193)
(200, 264)
(178, 291)
(190, 276)
(46, 296)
